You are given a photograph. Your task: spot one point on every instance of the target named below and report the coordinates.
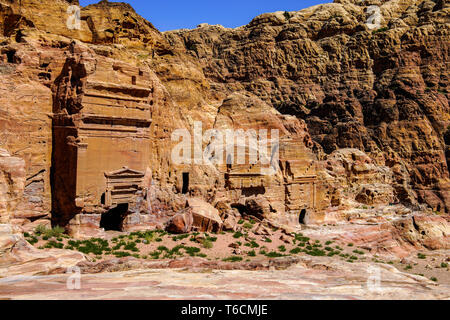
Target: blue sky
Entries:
(176, 14)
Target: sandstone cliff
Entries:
(383, 91)
(363, 113)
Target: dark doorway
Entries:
(113, 219)
(10, 55)
(185, 183)
(302, 216)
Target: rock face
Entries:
(18, 257)
(383, 91)
(12, 184)
(199, 216)
(354, 115)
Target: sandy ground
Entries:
(317, 278)
(250, 247)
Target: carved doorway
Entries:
(113, 219)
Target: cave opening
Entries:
(10, 56)
(185, 183)
(301, 218)
(113, 219)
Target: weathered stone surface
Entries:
(205, 216)
(181, 223)
(430, 232)
(383, 91)
(309, 279)
(18, 257)
(12, 184)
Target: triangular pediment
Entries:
(124, 172)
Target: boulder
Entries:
(181, 223)
(431, 232)
(205, 217)
(18, 257)
(198, 216)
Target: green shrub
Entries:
(121, 254)
(282, 248)
(421, 256)
(248, 225)
(296, 251)
(274, 254)
(155, 254)
(131, 246)
(252, 253)
(180, 237)
(40, 229)
(254, 244)
(434, 279)
(207, 244)
(316, 252)
(233, 259)
(33, 240)
(237, 235)
(444, 265)
(192, 250)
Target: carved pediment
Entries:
(125, 172)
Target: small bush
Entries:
(207, 244)
(180, 237)
(282, 248)
(237, 235)
(252, 253)
(192, 250)
(316, 252)
(296, 251)
(421, 256)
(40, 229)
(121, 254)
(248, 225)
(233, 259)
(444, 265)
(434, 279)
(274, 254)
